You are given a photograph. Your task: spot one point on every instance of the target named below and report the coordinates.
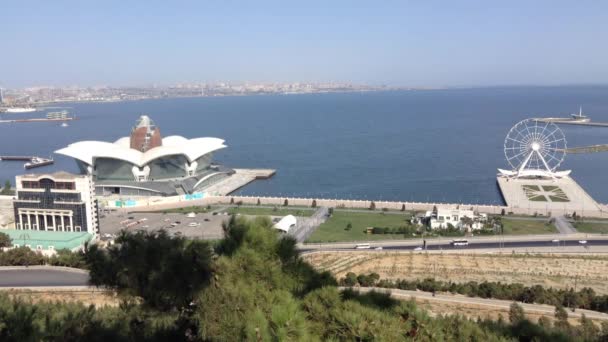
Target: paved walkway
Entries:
(305, 226)
(563, 225)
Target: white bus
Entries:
(363, 246)
(460, 242)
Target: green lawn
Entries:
(186, 210)
(538, 198)
(333, 229)
(591, 227)
(558, 199)
(521, 227)
(280, 211)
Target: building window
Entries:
(16, 245)
(51, 248)
(28, 246)
(39, 247)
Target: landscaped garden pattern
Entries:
(545, 193)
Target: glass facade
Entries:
(168, 167)
(164, 168)
(203, 162)
(113, 169)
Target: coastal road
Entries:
(42, 276)
(554, 241)
(490, 303)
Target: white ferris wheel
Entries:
(535, 148)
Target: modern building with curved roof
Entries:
(146, 164)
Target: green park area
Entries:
(336, 227)
(272, 211)
(522, 227)
(186, 210)
(591, 227)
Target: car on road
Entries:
(555, 240)
(145, 226)
(379, 248)
(193, 224)
(206, 220)
(582, 242)
(363, 246)
(131, 218)
(418, 248)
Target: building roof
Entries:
(192, 149)
(54, 176)
(59, 240)
(285, 223)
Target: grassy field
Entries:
(591, 227)
(280, 211)
(185, 210)
(522, 227)
(547, 270)
(334, 228)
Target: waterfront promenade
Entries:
(164, 203)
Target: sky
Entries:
(398, 43)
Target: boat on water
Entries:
(38, 162)
(579, 117)
(574, 119)
(65, 124)
(20, 109)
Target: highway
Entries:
(42, 276)
(46, 276)
(486, 243)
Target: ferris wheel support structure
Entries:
(534, 150)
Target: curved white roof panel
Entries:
(124, 142)
(193, 149)
(285, 223)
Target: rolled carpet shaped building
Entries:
(145, 164)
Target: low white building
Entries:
(458, 218)
(286, 223)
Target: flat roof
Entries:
(55, 175)
(59, 240)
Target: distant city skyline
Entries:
(402, 44)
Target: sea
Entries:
(410, 145)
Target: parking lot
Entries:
(203, 226)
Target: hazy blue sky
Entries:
(418, 43)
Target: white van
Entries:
(363, 246)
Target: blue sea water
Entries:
(432, 145)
